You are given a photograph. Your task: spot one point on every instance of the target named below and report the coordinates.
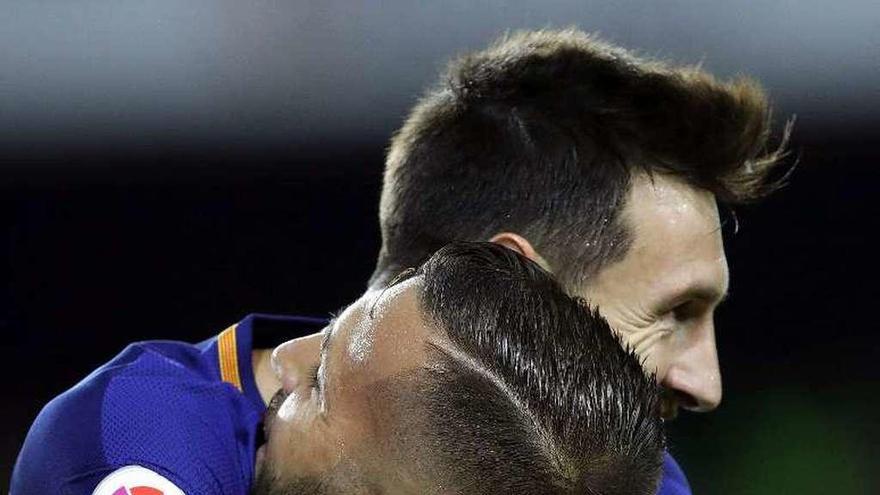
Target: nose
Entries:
(694, 374)
(293, 360)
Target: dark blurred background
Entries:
(168, 167)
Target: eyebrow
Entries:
(705, 293)
(326, 341)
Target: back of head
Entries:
(540, 135)
(533, 394)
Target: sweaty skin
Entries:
(662, 296)
(314, 426)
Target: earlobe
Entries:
(521, 245)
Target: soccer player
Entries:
(603, 167)
(476, 374)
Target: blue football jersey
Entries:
(171, 418)
(674, 481)
(161, 418)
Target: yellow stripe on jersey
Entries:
(228, 354)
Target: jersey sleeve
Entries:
(143, 411)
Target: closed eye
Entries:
(688, 310)
(313, 377)
(694, 302)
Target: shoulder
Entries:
(153, 406)
(674, 481)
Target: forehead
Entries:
(383, 334)
(677, 238)
(670, 217)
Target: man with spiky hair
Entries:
(476, 374)
(603, 167)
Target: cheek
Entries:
(659, 358)
(652, 343)
(294, 446)
(294, 409)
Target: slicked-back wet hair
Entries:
(536, 394)
(540, 135)
(525, 391)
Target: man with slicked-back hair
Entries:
(604, 167)
(476, 374)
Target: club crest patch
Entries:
(136, 480)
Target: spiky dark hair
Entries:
(541, 133)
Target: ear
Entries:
(521, 245)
